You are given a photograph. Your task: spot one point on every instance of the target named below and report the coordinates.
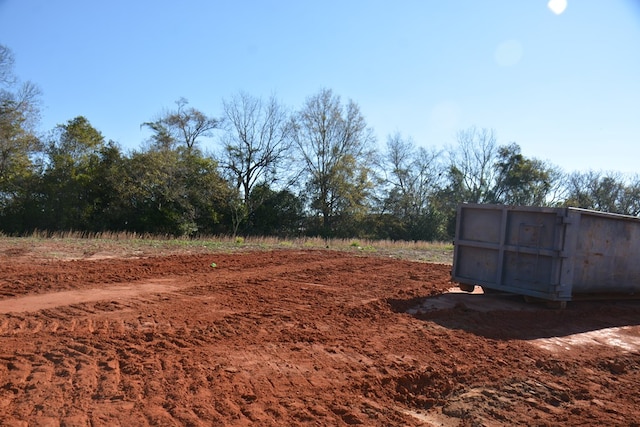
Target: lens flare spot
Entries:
(557, 6)
(508, 53)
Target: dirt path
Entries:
(300, 338)
(34, 303)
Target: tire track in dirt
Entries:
(31, 303)
(293, 338)
(114, 373)
(66, 311)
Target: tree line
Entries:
(315, 170)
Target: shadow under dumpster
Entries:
(504, 316)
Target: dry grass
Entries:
(77, 245)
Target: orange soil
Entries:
(299, 338)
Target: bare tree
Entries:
(413, 178)
(335, 146)
(19, 102)
(398, 157)
(256, 143)
(558, 191)
(414, 174)
(472, 163)
(19, 114)
(632, 197)
(181, 126)
(606, 192)
(6, 66)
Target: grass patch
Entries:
(77, 245)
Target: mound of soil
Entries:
(289, 337)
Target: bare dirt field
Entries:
(297, 338)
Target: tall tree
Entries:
(106, 188)
(335, 145)
(256, 143)
(413, 177)
(472, 162)
(73, 153)
(519, 180)
(470, 175)
(19, 114)
(182, 126)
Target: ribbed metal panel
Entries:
(550, 253)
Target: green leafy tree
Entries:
(177, 192)
(335, 146)
(519, 180)
(106, 186)
(278, 213)
(350, 198)
(73, 154)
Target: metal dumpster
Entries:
(555, 254)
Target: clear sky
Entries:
(564, 86)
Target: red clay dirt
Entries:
(299, 338)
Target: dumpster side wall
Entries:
(549, 253)
(607, 254)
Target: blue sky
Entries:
(565, 87)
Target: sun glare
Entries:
(557, 6)
(508, 53)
